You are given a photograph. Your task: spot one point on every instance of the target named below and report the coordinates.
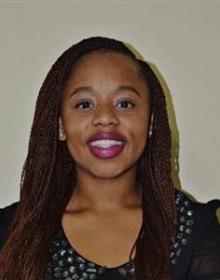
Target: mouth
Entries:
(105, 143)
(107, 136)
(105, 149)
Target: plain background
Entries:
(181, 38)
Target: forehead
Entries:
(106, 72)
(101, 54)
(107, 60)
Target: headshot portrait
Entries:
(97, 190)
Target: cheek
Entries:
(138, 134)
(75, 134)
(141, 136)
(74, 125)
(74, 140)
(137, 126)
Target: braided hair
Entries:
(48, 177)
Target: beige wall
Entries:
(180, 38)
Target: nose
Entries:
(105, 116)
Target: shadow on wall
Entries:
(171, 117)
(175, 135)
(173, 126)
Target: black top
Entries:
(195, 251)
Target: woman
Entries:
(97, 199)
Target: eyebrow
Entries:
(90, 89)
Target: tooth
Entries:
(105, 143)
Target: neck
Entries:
(105, 195)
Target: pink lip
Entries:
(106, 152)
(107, 135)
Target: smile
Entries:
(106, 143)
(106, 148)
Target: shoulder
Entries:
(205, 215)
(202, 215)
(198, 231)
(7, 212)
(6, 216)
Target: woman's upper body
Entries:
(195, 252)
(101, 132)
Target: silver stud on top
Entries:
(184, 227)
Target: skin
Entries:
(104, 214)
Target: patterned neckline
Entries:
(67, 263)
(65, 241)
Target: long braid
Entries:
(48, 179)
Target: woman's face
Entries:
(105, 94)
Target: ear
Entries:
(62, 135)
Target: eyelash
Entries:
(86, 101)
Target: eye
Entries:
(84, 103)
(124, 104)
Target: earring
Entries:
(151, 126)
(62, 137)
